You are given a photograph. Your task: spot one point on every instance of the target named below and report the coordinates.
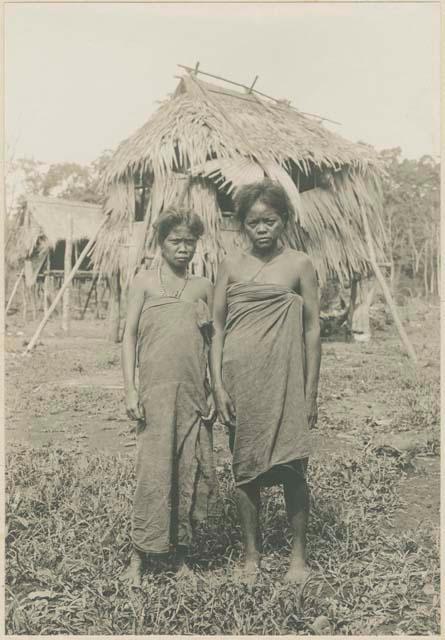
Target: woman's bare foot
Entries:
(183, 571)
(133, 573)
(247, 572)
(298, 573)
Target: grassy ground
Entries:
(373, 538)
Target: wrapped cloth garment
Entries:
(175, 478)
(263, 372)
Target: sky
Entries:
(80, 78)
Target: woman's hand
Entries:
(211, 414)
(135, 410)
(312, 412)
(225, 408)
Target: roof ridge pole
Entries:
(74, 270)
(251, 90)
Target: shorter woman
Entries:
(168, 321)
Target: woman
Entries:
(168, 321)
(265, 368)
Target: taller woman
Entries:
(265, 368)
(168, 327)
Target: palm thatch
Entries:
(207, 140)
(44, 221)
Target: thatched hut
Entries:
(207, 140)
(43, 225)
(45, 238)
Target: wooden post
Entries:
(14, 290)
(25, 303)
(115, 307)
(93, 286)
(62, 289)
(352, 303)
(361, 326)
(97, 301)
(32, 294)
(45, 284)
(386, 291)
(67, 270)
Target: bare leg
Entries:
(248, 502)
(180, 560)
(184, 572)
(133, 574)
(296, 495)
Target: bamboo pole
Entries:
(115, 307)
(386, 292)
(195, 70)
(46, 285)
(67, 269)
(14, 290)
(62, 289)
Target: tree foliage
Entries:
(69, 180)
(412, 218)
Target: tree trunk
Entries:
(439, 292)
(67, 270)
(115, 308)
(432, 278)
(425, 268)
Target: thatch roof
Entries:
(44, 221)
(218, 138)
(204, 120)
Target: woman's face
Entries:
(179, 246)
(263, 226)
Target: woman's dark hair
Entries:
(266, 191)
(174, 217)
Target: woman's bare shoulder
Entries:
(233, 261)
(299, 258)
(201, 282)
(144, 280)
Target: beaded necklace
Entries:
(178, 293)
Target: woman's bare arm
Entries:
(311, 333)
(129, 342)
(224, 405)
